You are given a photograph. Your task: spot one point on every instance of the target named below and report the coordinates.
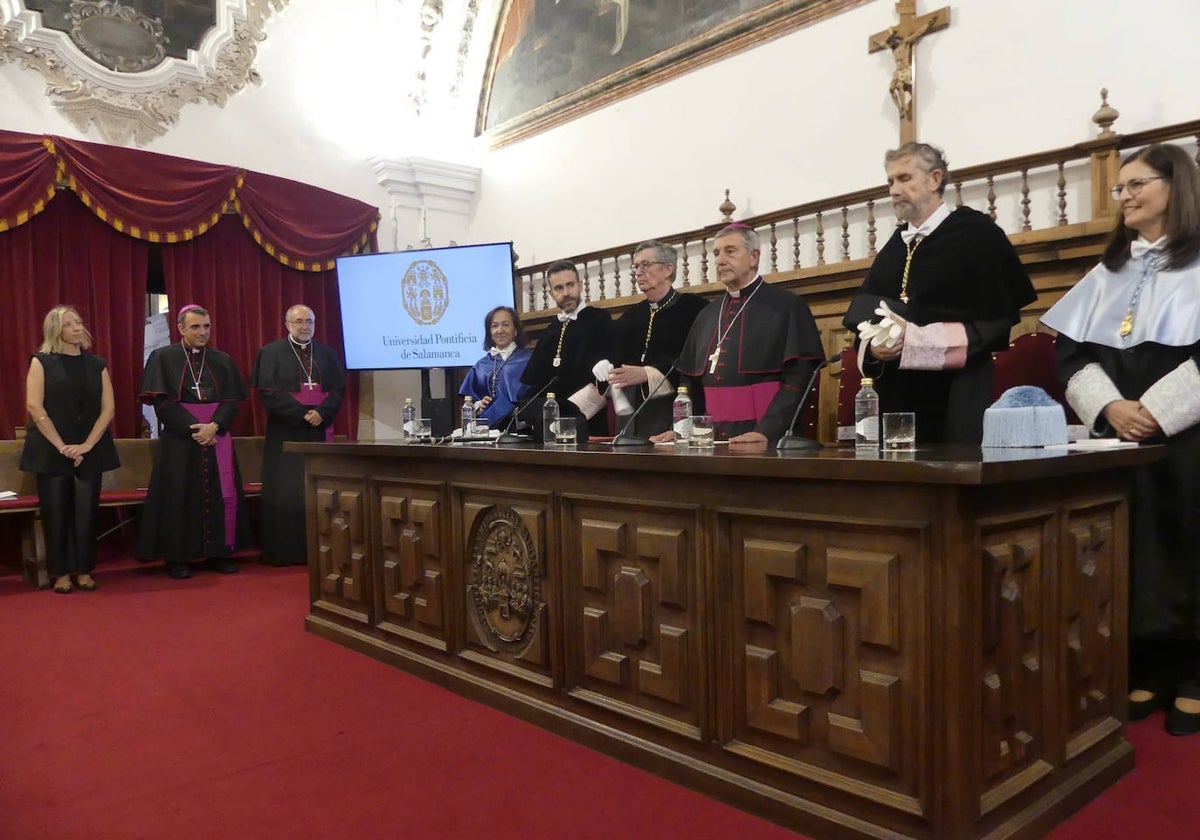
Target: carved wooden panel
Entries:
(1012, 619)
(1087, 592)
(508, 583)
(823, 660)
(412, 596)
(343, 545)
(634, 611)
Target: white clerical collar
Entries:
(296, 343)
(749, 287)
(928, 226)
(573, 314)
(503, 352)
(1139, 247)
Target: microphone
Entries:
(623, 439)
(510, 438)
(790, 439)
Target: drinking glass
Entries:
(899, 431)
(702, 431)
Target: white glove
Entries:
(887, 332)
(602, 369)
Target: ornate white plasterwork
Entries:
(143, 105)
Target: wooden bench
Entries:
(122, 488)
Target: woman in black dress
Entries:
(69, 396)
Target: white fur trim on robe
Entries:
(1089, 391)
(1174, 400)
(588, 400)
(938, 346)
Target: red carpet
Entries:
(200, 709)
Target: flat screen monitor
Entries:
(421, 309)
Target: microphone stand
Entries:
(623, 439)
(511, 438)
(790, 440)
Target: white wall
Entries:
(808, 116)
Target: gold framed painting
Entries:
(554, 60)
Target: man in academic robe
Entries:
(194, 505)
(570, 347)
(302, 383)
(646, 341)
(752, 351)
(943, 294)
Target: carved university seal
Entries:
(504, 593)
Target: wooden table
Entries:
(927, 647)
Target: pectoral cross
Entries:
(310, 385)
(901, 39)
(712, 360)
(199, 393)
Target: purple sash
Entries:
(313, 397)
(204, 412)
(732, 403)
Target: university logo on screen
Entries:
(425, 290)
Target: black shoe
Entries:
(1142, 709)
(1180, 722)
(224, 565)
(179, 571)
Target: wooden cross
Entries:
(901, 39)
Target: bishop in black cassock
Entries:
(302, 383)
(194, 504)
(567, 351)
(955, 281)
(753, 350)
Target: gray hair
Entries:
(932, 159)
(749, 235)
(663, 252)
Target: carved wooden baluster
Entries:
(820, 240)
(871, 227)
(958, 194)
(991, 182)
(1025, 225)
(531, 281)
(795, 242)
(587, 282)
(602, 290)
(703, 260)
(774, 250)
(545, 290)
(632, 275)
(1062, 194)
(845, 233)
(683, 248)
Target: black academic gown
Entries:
(278, 376)
(585, 343)
(775, 339)
(966, 271)
(184, 515)
(629, 347)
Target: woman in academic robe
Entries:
(495, 380)
(69, 396)
(1128, 347)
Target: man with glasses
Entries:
(301, 383)
(942, 294)
(646, 342)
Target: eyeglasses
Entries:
(638, 268)
(1134, 186)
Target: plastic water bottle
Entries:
(549, 419)
(682, 415)
(866, 417)
(468, 418)
(409, 415)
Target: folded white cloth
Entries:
(621, 404)
(602, 369)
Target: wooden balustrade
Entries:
(1027, 194)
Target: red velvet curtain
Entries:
(65, 255)
(247, 293)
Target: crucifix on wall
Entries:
(901, 39)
